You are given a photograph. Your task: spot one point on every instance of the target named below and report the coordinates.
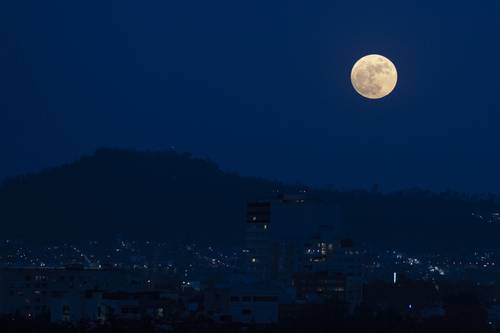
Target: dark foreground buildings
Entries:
(294, 273)
(292, 257)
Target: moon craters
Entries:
(374, 76)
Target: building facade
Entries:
(293, 241)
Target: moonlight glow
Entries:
(374, 76)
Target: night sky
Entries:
(260, 87)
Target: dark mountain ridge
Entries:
(170, 195)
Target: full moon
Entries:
(374, 76)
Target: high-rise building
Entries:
(258, 238)
(295, 241)
(335, 271)
(279, 231)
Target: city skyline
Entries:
(249, 166)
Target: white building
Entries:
(246, 303)
(28, 291)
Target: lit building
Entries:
(334, 272)
(279, 231)
(291, 240)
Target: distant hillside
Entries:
(168, 195)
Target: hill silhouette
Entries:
(170, 195)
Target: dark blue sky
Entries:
(260, 87)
